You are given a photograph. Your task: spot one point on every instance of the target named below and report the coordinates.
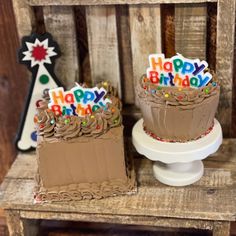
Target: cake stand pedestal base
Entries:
(177, 164)
(178, 174)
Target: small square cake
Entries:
(81, 154)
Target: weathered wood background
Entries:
(112, 42)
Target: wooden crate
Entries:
(111, 39)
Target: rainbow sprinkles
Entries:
(177, 71)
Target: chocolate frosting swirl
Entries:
(46, 121)
(111, 90)
(68, 127)
(173, 95)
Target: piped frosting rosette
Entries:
(45, 120)
(174, 95)
(68, 127)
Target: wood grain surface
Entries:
(123, 28)
(13, 87)
(24, 16)
(233, 128)
(211, 35)
(168, 29)
(82, 43)
(109, 2)
(67, 66)
(224, 61)
(221, 228)
(145, 30)
(103, 45)
(190, 30)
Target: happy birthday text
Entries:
(177, 71)
(79, 101)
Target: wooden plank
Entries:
(168, 29)
(18, 226)
(145, 28)
(134, 220)
(221, 228)
(57, 19)
(103, 44)
(3, 223)
(24, 16)
(233, 128)
(82, 41)
(233, 228)
(24, 167)
(40, 26)
(12, 77)
(211, 35)
(153, 199)
(125, 54)
(226, 153)
(224, 61)
(14, 223)
(190, 30)
(108, 2)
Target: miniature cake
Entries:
(178, 98)
(80, 147)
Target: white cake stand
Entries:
(177, 164)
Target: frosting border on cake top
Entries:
(65, 127)
(175, 96)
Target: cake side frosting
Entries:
(86, 190)
(112, 175)
(104, 155)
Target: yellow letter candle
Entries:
(177, 71)
(79, 101)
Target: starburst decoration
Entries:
(38, 52)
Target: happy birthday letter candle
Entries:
(177, 71)
(79, 101)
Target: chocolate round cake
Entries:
(177, 114)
